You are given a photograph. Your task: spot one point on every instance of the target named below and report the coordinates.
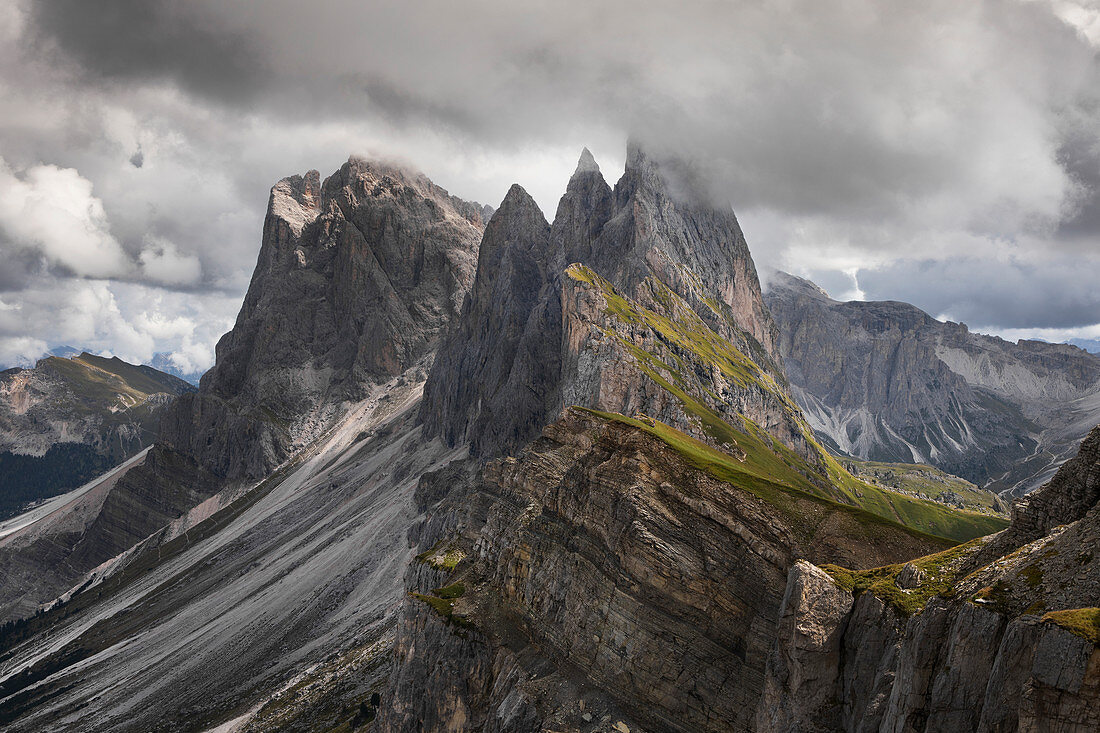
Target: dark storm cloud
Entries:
(1057, 293)
(121, 40)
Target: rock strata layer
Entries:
(601, 571)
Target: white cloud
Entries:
(52, 210)
(161, 262)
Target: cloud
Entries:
(161, 262)
(899, 145)
(52, 210)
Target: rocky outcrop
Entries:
(997, 635)
(537, 333)
(356, 278)
(886, 381)
(601, 573)
(69, 419)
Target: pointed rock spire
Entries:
(586, 164)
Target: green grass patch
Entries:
(1085, 622)
(941, 570)
(1032, 575)
(761, 473)
(442, 601)
(690, 341)
(442, 559)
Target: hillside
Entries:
(69, 419)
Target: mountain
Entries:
(163, 361)
(455, 475)
(70, 419)
(887, 382)
(1090, 345)
(355, 277)
(622, 567)
(1002, 633)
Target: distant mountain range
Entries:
(71, 418)
(1090, 345)
(887, 382)
(162, 361)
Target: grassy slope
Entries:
(769, 459)
(924, 479)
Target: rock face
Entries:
(886, 381)
(70, 419)
(1000, 635)
(538, 335)
(355, 279)
(641, 482)
(600, 572)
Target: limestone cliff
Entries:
(614, 552)
(885, 381)
(602, 576)
(1001, 634)
(534, 337)
(355, 279)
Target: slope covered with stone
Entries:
(1001, 634)
(69, 419)
(355, 279)
(885, 381)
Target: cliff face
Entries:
(534, 336)
(623, 565)
(997, 635)
(601, 573)
(68, 420)
(886, 381)
(355, 279)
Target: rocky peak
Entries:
(586, 164)
(355, 279)
(519, 353)
(784, 284)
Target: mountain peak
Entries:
(586, 164)
(781, 281)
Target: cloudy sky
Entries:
(944, 153)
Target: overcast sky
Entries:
(943, 153)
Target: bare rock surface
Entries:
(885, 381)
(1004, 638)
(515, 359)
(600, 571)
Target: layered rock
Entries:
(886, 381)
(537, 334)
(997, 635)
(614, 553)
(69, 419)
(601, 573)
